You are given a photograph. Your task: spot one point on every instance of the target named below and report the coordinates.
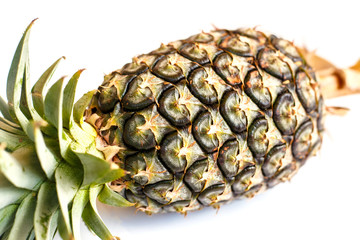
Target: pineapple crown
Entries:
(51, 173)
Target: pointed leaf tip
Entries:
(69, 96)
(16, 82)
(109, 197)
(53, 103)
(38, 90)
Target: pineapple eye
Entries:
(167, 69)
(305, 91)
(223, 66)
(146, 168)
(201, 88)
(133, 68)
(202, 38)
(107, 99)
(284, 118)
(172, 109)
(158, 191)
(194, 53)
(169, 152)
(270, 61)
(227, 161)
(255, 89)
(137, 98)
(138, 136)
(243, 180)
(302, 141)
(273, 159)
(287, 48)
(201, 130)
(233, 115)
(209, 195)
(257, 139)
(134, 165)
(235, 45)
(194, 175)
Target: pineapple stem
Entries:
(334, 82)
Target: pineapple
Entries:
(198, 122)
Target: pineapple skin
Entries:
(205, 120)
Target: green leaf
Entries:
(24, 104)
(53, 112)
(10, 128)
(69, 95)
(64, 232)
(94, 168)
(112, 198)
(91, 216)
(94, 223)
(22, 168)
(13, 141)
(68, 181)
(110, 176)
(93, 194)
(7, 216)
(9, 193)
(24, 219)
(16, 78)
(4, 109)
(45, 212)
(80, 201)
(12, 124)
(82, 137)
(81, 105)
(26, 100)
(38, 91)
(66, 151)
(53, 104)
(47, 159)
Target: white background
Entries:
(323, 199)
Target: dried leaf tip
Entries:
(338, 111)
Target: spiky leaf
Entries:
(47, 159)
(112, 198)
(68, 180)
(9, 193)
(7, 216)
(81, 105)
(95, 168)
(22, 168)
(38, 90)
(69, 95)
(53, 102)
(16, 78)
(23, 223)
(94, 222)
(46, 211)
(4, 109)
(4, 125)
(80, 201)
(63, 230)
(13, 141)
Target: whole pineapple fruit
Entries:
(201, 121)
(197, 122)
